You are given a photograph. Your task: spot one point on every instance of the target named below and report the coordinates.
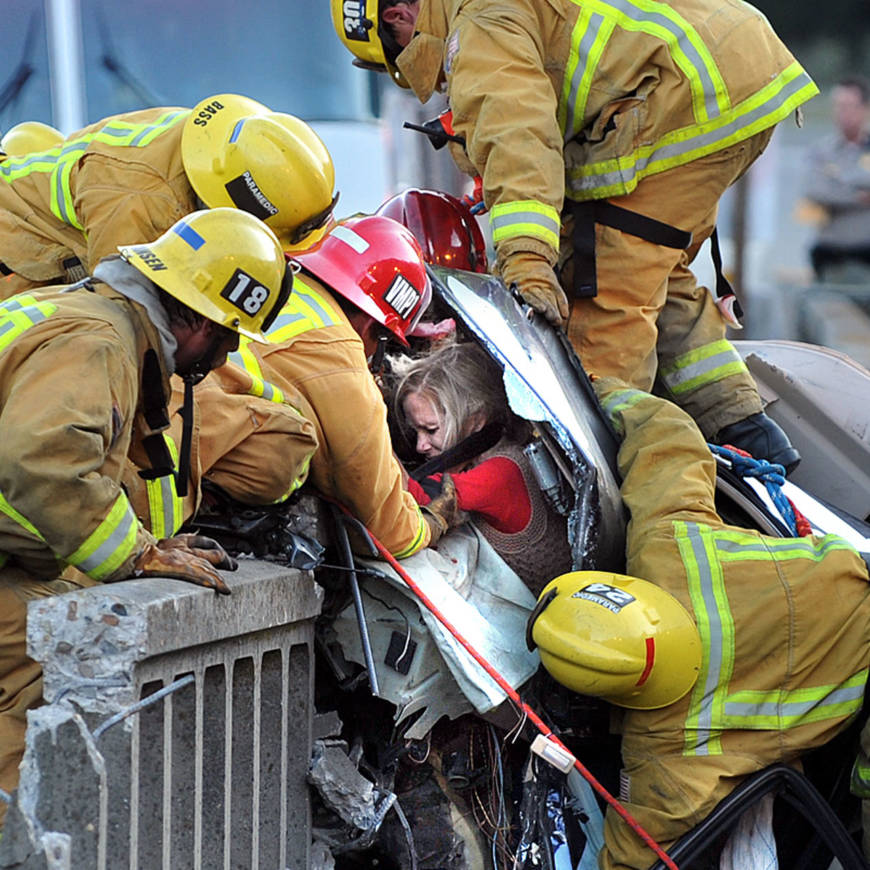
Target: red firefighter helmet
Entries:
(377, 264)
(445, 228)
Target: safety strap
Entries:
(466, 449)
(588, 213)
(186, 438)
(156, 417)
(726, 299)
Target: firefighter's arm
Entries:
(364, 473)
(123, 204)
(505, 108)
(667, 469)
(64, 449)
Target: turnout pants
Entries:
(650, 317)
(20, 676)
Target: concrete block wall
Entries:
(210, 776)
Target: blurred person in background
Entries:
(838, 182)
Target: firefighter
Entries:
(226, 417)
(364, 283)
(128, 178)
(783, 624)
(84, 370)
(605, 134)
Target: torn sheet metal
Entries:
(545, 384)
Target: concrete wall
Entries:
(210, 776)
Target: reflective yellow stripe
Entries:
(619, 401)
(417, 542)
(245, 358)
(59, 162)
(525, 218)
(767, 107)
(690, 54)
(737, 547)
(771, 711)
(306, 309)
(18, 314)
(713, 707)
(588, 40)
(300, 479)
(19, 518)
(704, 365)
(110, 544)
(860, 782)
(165, 508)
(716, 628)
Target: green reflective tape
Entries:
(18, 314)
(306, 309)
(245, 358)
(702, 366)
(706, 587)
(619, 176)
(110, 544)
(525, 218)
(621, 400)
(417, 542)
(165, 507)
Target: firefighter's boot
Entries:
(762, 438)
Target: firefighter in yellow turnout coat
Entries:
(84, 374)
(128, 178)
(655, 107)
(784, 626)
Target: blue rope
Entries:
(771, 474)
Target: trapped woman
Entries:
(452, 401)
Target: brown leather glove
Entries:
(186, 557)
(443, 512)
(537, 284)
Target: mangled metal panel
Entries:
(545, 384)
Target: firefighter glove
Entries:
(189, 557)
(536, 282)
(443, 512)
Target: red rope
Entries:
(529, 712)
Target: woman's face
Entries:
(426, 423)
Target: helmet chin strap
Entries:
(192, 376)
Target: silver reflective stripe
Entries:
(572, 123)
(311, 298)
(713, 643)
(702, 143)
(677, 376)
(794, 709)
(784, 548)
(502, 221)
(640, 15)
(111, 545)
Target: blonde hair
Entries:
(460, 380)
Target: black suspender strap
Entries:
(587, 214)
(726, 299)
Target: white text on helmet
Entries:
(354, 20)
(151, 260)
(402, 296)
(207, 113)
(245, 293)
(611, 597)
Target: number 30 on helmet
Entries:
(616, 637)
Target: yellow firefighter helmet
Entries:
(224, 263)
(239, 153)
(616, 637)
(30, 136)
(364, 36)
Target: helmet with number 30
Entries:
(616, 637)
(224, 263)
